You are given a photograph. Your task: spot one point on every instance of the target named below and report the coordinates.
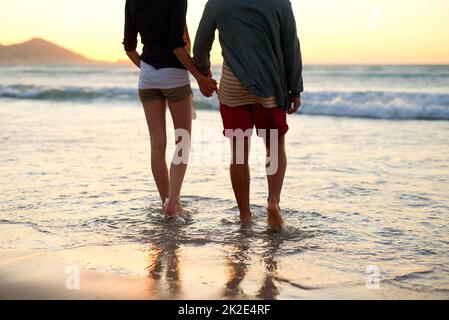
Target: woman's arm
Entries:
(130, 38)
(177, 43)
(207, 85)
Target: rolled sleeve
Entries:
(177, 24)
(130, 37)
(292, 52)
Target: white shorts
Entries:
(165, 78)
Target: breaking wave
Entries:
(377, 105)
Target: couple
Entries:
(261, 82)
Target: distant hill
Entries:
(40, 51)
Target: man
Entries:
(261, 82)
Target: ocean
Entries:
(380, 92)
(365, 198)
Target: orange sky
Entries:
(344, 31)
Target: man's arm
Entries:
(204, 39)
(292, 55)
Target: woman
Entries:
(164, 78)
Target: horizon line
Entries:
(123, 61)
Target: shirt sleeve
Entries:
(205, 39)
(292, 52)
(177, 24)
(130, 39)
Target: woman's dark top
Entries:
(161, 25)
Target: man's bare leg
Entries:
(275, 183)
(240, 179)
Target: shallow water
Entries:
(360, 195)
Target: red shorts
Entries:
(248, 116)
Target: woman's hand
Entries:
(134, 57)
(207, 85)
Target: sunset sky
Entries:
(344, 31)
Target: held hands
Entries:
(207, 85)
(295, 105)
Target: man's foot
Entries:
(274, 220)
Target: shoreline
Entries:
(27, 275)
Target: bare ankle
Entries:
(274, 220)
(246, 217)
(273, 201)
(174, 200)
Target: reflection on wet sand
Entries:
(239, 261)
(237, 264)
(164, 259)
(165, 265)
(269, 290)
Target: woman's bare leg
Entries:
(181, 112)
(155, 115)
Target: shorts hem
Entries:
(171, 95)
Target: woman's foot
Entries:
(173, 207)
(246, 219)
(164, 202)
(170, 209)
(274, 220)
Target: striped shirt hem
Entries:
(233, 93)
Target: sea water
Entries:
(366, 191)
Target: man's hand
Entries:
(295, 105)
(207, 85)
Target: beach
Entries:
(123, 272)
(364, 201)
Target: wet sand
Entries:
(132, 272)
